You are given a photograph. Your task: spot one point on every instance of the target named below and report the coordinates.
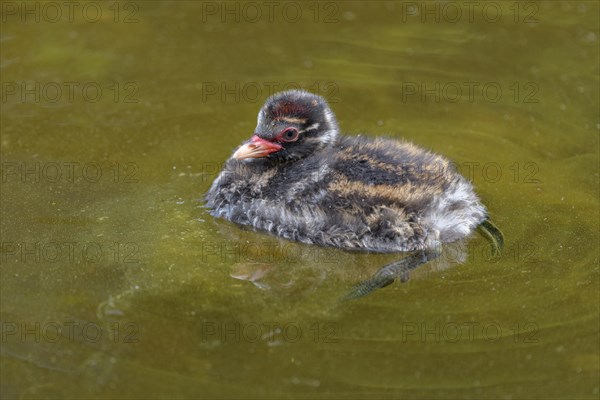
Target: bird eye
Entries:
(290, 135)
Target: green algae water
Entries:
(117, 283)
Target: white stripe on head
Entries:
(310, 128)
(331, 135)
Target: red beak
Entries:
(258, 147)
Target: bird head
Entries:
(291, 125)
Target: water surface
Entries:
(117, 283)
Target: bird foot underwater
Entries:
(401, 269)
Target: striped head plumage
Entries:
(291, 125)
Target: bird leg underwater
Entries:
(390, 272)
(401, 268)
(492, 234)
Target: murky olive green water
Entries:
(117, 283)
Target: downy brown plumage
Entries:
(299, 178)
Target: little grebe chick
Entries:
(299, 178)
